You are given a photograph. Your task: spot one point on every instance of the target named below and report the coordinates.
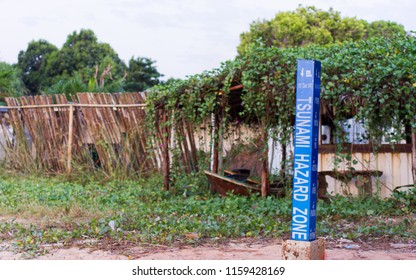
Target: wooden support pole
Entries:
(265, 185)
(237, 87)
(414, 155)
(114, 106)
(192, 146)
(214, 143)
(220, 149)
(70, 138)
(283, 163)
(165, 150)
(264, 179)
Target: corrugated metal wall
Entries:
(396, 168)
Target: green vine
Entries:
(373, 81)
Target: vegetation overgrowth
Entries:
(39, 211)
(310, 25)
(372, 81)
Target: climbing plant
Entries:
(372, 80)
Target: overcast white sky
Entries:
(184, 37)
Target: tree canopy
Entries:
(81, 54)
(309, 25)
(32, 64)
(142, 74)
(10, 81)
(83, 63)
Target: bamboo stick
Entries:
(70, 137)
(166, 164)
(75, 105)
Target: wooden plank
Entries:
(224, 185)
(214, 142)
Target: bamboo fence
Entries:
(94, 130)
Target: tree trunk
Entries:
(284, 159)
(414, 155)
(265, 185)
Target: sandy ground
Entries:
(232, 250)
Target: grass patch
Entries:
(39, 211)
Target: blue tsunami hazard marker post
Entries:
(305, 176)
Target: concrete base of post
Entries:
(304, 250)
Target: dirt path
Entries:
(232, 250)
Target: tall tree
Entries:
(307, 25)
(383, 28)
(10, 82)
(142, 74)
(83, 64)
(82, 54)
(32, 64)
